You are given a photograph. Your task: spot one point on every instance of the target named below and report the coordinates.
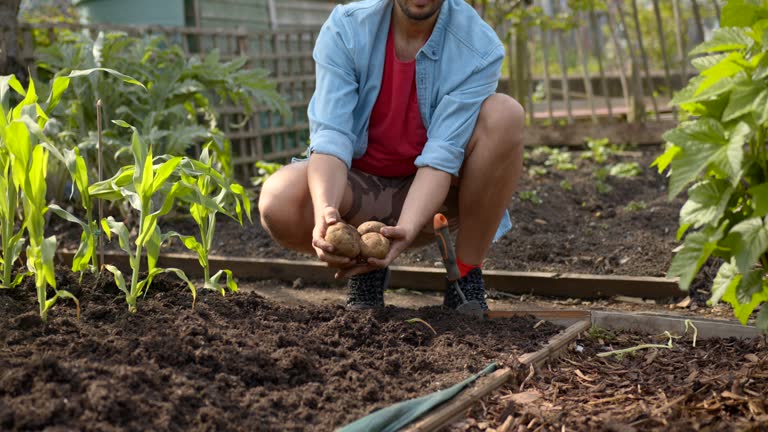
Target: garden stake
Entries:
(448, 254)
(101, 203)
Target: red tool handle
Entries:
(443, 238)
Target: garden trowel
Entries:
(443, 238)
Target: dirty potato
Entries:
(344, 239)
(370, 227)
(374, 245)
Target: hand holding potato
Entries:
(361, 243)
(325, 250)
(379, 246)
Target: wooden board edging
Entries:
(569, 285)
(652, 323)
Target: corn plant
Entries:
(25, 152)
(205, 216)
(152, 187)
(719, 156)
(85, 257)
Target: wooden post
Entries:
(663, 44)
(521, 57)
(680, 42)
(697, 22)
(585, 75)
(620, 58)
(644, 58)
(717, 9)
(594, 28)
(637, 108)
(272, 14)
(547, 79)
(564, 77)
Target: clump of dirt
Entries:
(238, 362)
(718, 385)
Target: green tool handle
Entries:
(443, 239)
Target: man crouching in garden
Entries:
(404, 123)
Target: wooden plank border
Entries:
(654, 323)
(421, 278)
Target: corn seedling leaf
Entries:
(60, 212)
(119, 279)
(58, 88)
(184, 277)
(7, 83)
(120, 229)
(125, 78)
(69, 295)
(48, 252)
(153, 247)
(30, 98)
(231, 284)
(163, 173)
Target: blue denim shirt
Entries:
(456, 70)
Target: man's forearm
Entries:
(327, 177)
(426, 195)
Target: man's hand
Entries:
(325, 251)
(400, 238)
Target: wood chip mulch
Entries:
(718, 385)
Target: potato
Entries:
(374, 245)
(369, 227)
(344, 238)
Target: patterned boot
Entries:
(473, 287)
(366, 291)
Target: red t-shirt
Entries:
(396, 134)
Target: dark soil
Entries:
(719, 385)
(238, 362)
(580, 230)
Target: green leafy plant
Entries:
(228, 195)
(179, 110)
(560, 160)
(634, 206)
(625, 170)
(719, 156)
(566, 185)
(601, 177)
(599, 150)
(531, 196)
(537, 171)
(266, 169)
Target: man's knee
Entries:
(502, 117)
(280, 209)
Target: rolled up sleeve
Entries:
(454, 119)
(331, 108)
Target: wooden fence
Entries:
(612, 75)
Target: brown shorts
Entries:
(382, 198)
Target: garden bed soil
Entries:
(719, 385)
(239, 362)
